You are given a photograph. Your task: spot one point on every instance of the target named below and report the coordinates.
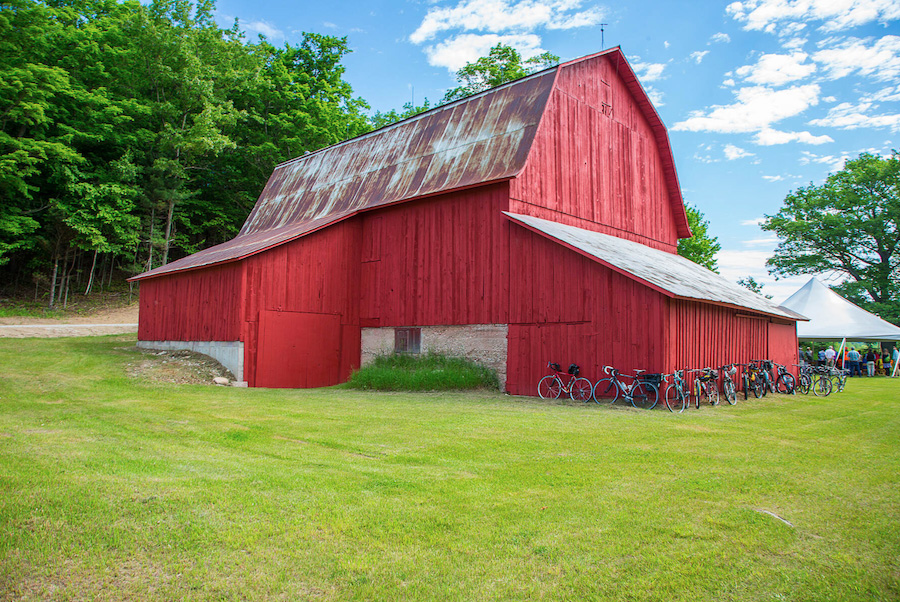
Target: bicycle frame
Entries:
(640, 393)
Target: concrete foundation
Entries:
(228, 353)
(483, 343)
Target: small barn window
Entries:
(407, 340)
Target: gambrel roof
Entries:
(482, 139)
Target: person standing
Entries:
(895, 355)
(829, 355)
(821, 357)
(853, 362)
(870, 362)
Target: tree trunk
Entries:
(91, 276)
(165, 258)
(53, 278)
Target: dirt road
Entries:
(116, 321)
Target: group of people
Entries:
(873, 360)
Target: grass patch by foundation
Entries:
(426, 372)
(115, 488)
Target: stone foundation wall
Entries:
(483, 343)
(228, 353)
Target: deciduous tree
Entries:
(701, 248)
(850, 224)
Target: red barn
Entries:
(537, 220)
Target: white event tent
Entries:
(833, 318)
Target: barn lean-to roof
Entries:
(478, 140)
(668, 273)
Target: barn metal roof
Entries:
(477, 140)
(668, 273)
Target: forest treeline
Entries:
(132, 134)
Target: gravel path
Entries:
(119, 321)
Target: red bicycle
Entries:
(554, 385)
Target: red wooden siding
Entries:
(567, 308)
(595, 162)
(783, 345)
(200, 305)
(318, 274)
(443, 260)
(710, 335)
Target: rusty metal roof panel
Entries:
(479, 139)
(668, 273)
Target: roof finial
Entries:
(602, 41)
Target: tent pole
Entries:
(841, 353)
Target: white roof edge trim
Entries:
(668, 272)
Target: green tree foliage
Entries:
(850, 225)
(751, 284)
(379, 120)
(701, 248)
(134, 133)
(501, 65)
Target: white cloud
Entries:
(773, 178)
(720, 37)
(733, 152)
(648, 72)
(834, 163)
(770, 137)
(794, 43)
(847, 116)
(261, 27)
(655, 96)
(468, 48)
(666, 44)
(697, 56)
(753, 222)
(756, 108)
(329, 25)
(729, 83)
(777, 69)
(769, 241)
(881, 60)
(496, 16)
(835, 15)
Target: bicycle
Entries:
(642, 392)
(554, 385)
(785, 383)
(752, 381)
(729, 390)
(765, 373)
(804, 382)
(839, 379)
(821, 382)
(706, 386)
(676, 397)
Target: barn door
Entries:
(298, 350)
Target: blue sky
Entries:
(760, 96)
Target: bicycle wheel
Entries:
(605, 390)
(771, 385)
(837, 383)
(805, 383)
(582, 390)
(675, 400)
(757, 388)
(644, 395)
(549, 387)
(822, 386)
(785, 384)
(746, 387)
(730, 392)
(712, 393)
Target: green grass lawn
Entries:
(113, 488)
